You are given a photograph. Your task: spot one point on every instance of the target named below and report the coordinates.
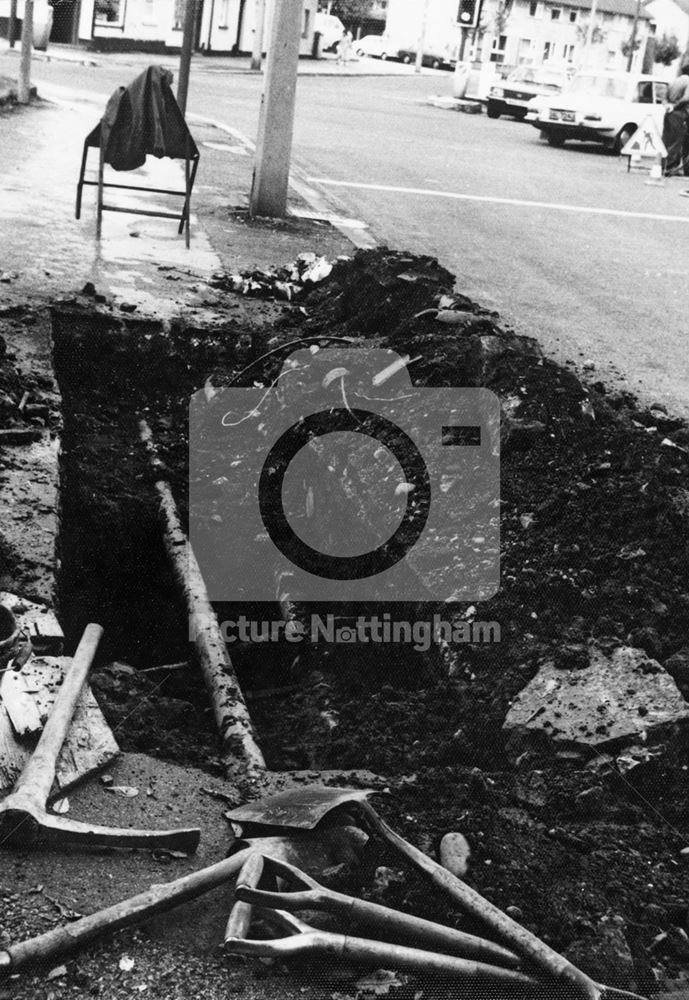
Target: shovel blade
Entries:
(298, 808)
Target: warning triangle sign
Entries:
(646, 141)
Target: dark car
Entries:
(435, 60)
(512, 95)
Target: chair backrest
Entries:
(143, 119)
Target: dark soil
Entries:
(595, 493)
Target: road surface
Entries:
(564, 243)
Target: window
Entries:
(660, 92)
(547, 50)
(223, 15)
(568, 53)
(533, 8)
(178, 21)
(498, 49)
(110, 12)
(524, 50)
(307, 23)
(555, 14)
(573, 16)
(645, 92)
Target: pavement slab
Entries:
(621, 698)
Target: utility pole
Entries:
(632, 41)
(276, 122)
(422, 38)
(589, 34)
(24, 88)
(12, 24)
(260, 16)
(185, 55)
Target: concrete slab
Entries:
(621, 698)
(455, 104)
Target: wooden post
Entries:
(276, 123)
(24, 87)
(260, 16)
(12, 25)
(185, 55)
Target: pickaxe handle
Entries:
(36, 780)
(21, 826)
(68, 938)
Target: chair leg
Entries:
(80, 182)
(99, 211)
(186, 213)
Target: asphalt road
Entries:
(563, 242)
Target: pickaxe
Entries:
(24, 818)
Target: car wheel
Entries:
(383, 56)
(493, 110)
(360, 52)
(623, 137)
(553, 139)
(435, 64)
(406, 59)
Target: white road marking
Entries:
(519, 202)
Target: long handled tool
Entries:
(24, 818)
(304, 808)
(386, 921)
(302, 939)
(62, 941)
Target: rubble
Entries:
(615, 699)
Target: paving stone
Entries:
(618, 698)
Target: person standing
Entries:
(344, 48)
(676, 125)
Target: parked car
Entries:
(512, 95)
(601, 107)
(436, 60)
(376, 46)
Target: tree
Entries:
(597, 36)
(350, 11)
(667, 49)
(630, 46)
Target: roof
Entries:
(627, 7)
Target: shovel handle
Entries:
(377, 954)
(68, 938)
(386, 921)
(241, 913)
(513, 934)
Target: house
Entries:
(671, 18)
(221, 26)
(511, 32)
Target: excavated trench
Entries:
(113, 567)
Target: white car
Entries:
(376, 46)
(512, 95)
(601, 107)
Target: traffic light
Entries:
(468, 13)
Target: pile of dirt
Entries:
(594, 502)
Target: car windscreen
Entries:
(599, 86)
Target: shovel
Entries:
(304, 808)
